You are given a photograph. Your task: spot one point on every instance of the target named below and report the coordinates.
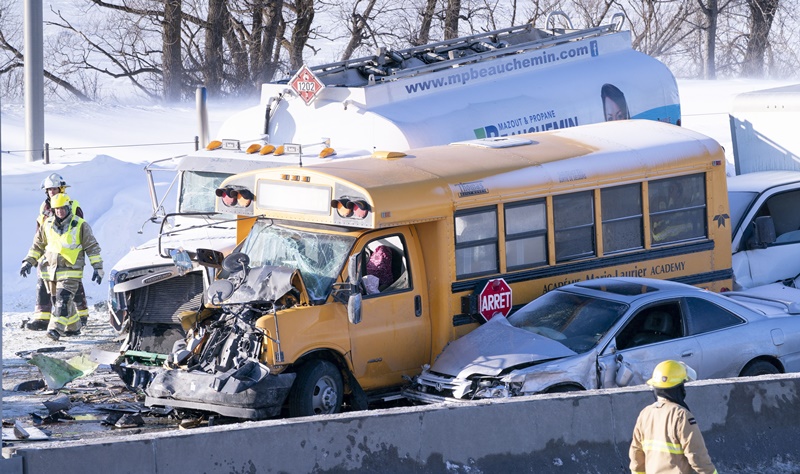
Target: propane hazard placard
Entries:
(306, 84)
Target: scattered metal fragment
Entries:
(20, 432)
(135, 379)
(29, 386)
(129, 420)
(58, 404)
(40, 350)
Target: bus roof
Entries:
(429, 183)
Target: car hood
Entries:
(494, 347)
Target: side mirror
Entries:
(353, 266)
(764, 234)
(210, 258)
(354, 308)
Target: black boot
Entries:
(37, 324)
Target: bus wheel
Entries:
(317, 390)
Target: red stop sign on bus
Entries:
(495, 298)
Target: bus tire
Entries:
(317, 390)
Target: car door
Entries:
(717, 331)
(652, 334)
(780, 259)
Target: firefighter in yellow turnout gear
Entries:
(54, 184)
(63, 242)
(666, 438)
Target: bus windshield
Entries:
(319, 257)
(740, 202)
(197, 190)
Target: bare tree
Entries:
(762, 13)
(172, 62)
(451, 16)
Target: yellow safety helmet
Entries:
(59, 200)
(671, 373)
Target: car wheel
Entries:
(759, 367)
(317, 390)
(564, 388)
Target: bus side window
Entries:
(677, 209)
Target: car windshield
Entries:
(739, 202)
(577, 321)
(319, 257)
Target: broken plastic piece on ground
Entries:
(33, 433)
(29, 386)
(58, 373)
(103, 357)
(190, 423)
(148, 358)
(129, 420)
(40, 350)
(20, 432)
(58, 404)
(135, 379)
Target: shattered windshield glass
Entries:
(197, 190)
(319, 257)
(578, 322)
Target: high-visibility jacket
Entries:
(64, 248)
(666, 439)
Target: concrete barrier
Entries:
(750, 425)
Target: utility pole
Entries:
(34, 80)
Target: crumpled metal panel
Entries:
(494, 347)
(251, 393)
(265, 283)
(574, 370)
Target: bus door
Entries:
(393, 337)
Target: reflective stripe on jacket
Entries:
(666, 439)
(64, 248)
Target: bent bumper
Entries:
(227, 396)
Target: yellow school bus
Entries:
(388, 258)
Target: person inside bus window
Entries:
(615, 107)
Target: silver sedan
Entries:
(611, 332)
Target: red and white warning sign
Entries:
(306, 84)
(494, 298)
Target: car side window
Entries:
(651, 325)
(385, 266)
(705, 316)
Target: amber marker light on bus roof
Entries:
(254, 148)
(388, 155)
(326, 152)
(279, 151)
(267, 149)
(213, 145)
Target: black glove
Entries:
(25, 269)
(98, 275)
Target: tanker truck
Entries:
(500, 83)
